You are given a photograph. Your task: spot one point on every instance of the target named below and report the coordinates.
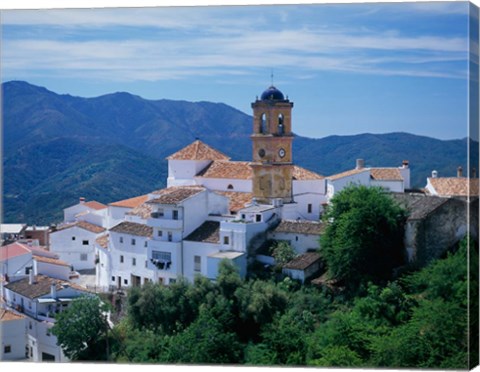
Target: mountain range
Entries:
(57, 148)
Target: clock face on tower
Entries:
(281, 153)
(261, 153)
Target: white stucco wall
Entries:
(68, 244)
(15, 266)
(52, 270)
(221, 184)
(393, 186)
(12, 333)
(182, 172)
(300, 242)
(192, 249)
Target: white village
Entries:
(212, 209)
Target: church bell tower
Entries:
(272, 147)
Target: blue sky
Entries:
(348, 68)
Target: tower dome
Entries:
(272, 94)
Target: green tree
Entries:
(283, 253)
(204, 342)
(82, 329)
(364, 235)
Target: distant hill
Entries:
(60, 147)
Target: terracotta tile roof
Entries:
(95, 205)
(238, 200)
(302, 174)
(198, 151)
(208, 232)
(175, 194)
(454, 186)
(6, 315)
(386, 174)
(41, 286)
(228, 169)
(83, 225)
(303, 261)
(13, 250)
(300, 227)
(102, 241)
(131, 203)
(143, 211)
(50, 260)
(133, 228)
(346, 174)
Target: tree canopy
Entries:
(81, 329)
(364, 235)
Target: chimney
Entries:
(360, 164)
(434, 174)
(405, 164)
(31, 277)
(459, 172)
(53, 290)
(474, 172)
(82, 200)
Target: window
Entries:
(170, 236)
(146, 263)
(113, 278)
(134, 261)
(162, 256)
(121, 259)
(263, 124)
(83, 256)
(121, 239)
(175, 215)
(30, 325)
(145, 244)
(281, 128)
(161, 213)
(73, 238)
(230, 187)
(125, 281)
(133, 241)
(160, 233)
(309, 208)
(258, 218)
(226, 240)
(197, 264)
(171, 281)
(7, 349)
(84, 242)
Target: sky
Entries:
(349, 68)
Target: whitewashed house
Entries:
(75, 243)
(303, 236)
(13, 338)
(303, 267)
(91, 211)
(128, 255)
(38, 298)
(117, 210)
(459, 186)
(391, 179)
(15, 260)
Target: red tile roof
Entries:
(238, 200)
(198, 151)
(102, 241)
(455, 186)
(143, 211)
(49, 260)
(130, 203)
(386, 174)
(228, 169)
(13, 250)
(95, 205)
(41, 286)
(83, 225)
(175, 194)
(351, 172)
(133, 228)
(6, 315)
(208, 232)
(302, 174)
(303, 261)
